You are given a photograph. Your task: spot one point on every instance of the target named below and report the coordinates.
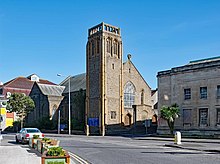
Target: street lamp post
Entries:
(59, 121)
(69, 110)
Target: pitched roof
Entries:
(24, 83)
(76, 83)
(51, 90)
(19, 82)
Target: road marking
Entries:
(78, 159)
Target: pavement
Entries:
(208, 145)
(11, 153)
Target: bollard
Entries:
(177, 139)
(1, 138)
(87, 130)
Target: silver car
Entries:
(25, 134)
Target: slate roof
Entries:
(76, 83)
(51, 90)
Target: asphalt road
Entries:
(120, 150)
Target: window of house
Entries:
(187, 94)
(218, 92)
(203, 117)
(187, 119)
(129, 93)
(113, 114)
(203, 92)
(218, 116)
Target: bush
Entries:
(35, 136)
(43, 123)
(56, 151)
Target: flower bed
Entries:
(55, 155)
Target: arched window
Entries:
(118, 50)
(115, 47)
(108, 44)
(129, 93)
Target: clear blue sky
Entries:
(47, 37)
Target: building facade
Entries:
(47, 99)
(113, 87)
(195, 87)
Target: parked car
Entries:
(25, 134)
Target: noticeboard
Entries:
(93, 121)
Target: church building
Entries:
(117, 96)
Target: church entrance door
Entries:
(128, 119)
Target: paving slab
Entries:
(18, 155)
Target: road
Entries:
(120, 150)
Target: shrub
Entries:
(35, 136)
(56, 151)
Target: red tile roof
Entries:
(22, 84)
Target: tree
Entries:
(170, 114)
(21, 105)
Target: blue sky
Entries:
(47, 37)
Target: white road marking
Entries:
(78, 159)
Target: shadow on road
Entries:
(176, 153)
(13, 142)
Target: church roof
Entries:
(76, 83)
(51, 90)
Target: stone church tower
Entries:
(116, 93)
(104, 77)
